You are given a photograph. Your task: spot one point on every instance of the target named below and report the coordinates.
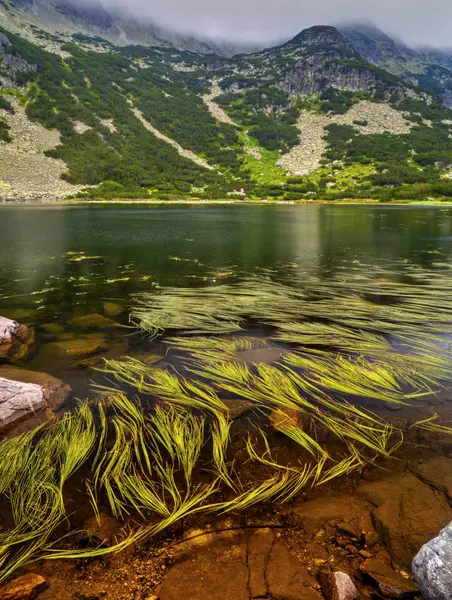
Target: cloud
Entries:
(417, 22)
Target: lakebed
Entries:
(289, 289)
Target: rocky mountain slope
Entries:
(316, 117)
(62, 18)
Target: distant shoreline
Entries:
(146, 201)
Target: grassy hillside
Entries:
(109, 104)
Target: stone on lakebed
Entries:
(24, 393)
(93, 321)
(338, 586)
(15, 340)
(113, 309)
(432, 567)
(76, 347)
(26, 587)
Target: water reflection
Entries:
(130, 249)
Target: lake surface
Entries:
(57, 263)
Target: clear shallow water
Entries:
(57, 263)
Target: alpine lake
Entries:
(274, 371)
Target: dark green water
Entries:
(57, 263)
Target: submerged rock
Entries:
(238, 566)
(24, 393)
(101, 531)
(432, 567)
(92, 322)
(438, 474)
(349, 515)
(76, 348)
(406, 514)
(26, 587)
(236, 408)
(282, 418)
(390, 583)
(15, 340)
(113, 309)
(287, 578)
(52, 328)
(338, 586)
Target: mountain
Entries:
(429, 69)
(331, 113)
(62, 18)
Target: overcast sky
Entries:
(417, 22)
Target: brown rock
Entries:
(102, 531)
(92, 322)
(54, 390)
(236, 408)
(52, 328)
(26, 587)
(438, 474)
(113, 309)
(259, 547)
(282, 418)
(287, 579)
(15, 340)
(338, 586)
(76, 348)
(266, 354)
(217, 570)
(388, 581)
(348, 514)
(407, 513)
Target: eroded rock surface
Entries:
(438, 474)
(239, 566)
(432, 567)
(344, 513)
(407, 513)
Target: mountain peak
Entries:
(317, 36)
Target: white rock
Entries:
(19, 400)
(432, 567)
(8, 330)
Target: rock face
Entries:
(15, 340)
(432, 567)
(24, 588)
(310, 74)
(23, 393)
(407, 513)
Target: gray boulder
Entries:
(432, 567)
(25, 393)
(19, 400)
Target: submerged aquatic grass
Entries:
(157, 447)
